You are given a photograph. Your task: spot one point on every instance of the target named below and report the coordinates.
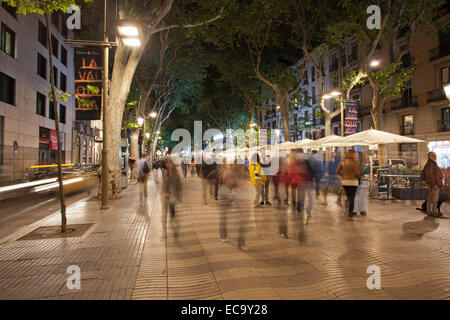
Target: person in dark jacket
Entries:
(171, 194)
(433, 178)
(208, 176)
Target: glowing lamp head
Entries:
(375, 63)
(147, 134)
(140, 121)
(153, 115)
(131, 42)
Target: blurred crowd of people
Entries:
(298, 180)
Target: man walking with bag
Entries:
(433, 176)
(143, 170)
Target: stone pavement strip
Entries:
(126, 254)
(108, 254)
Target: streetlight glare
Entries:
(335, 93)
(375, 63)
(131, 42)
(153, 114)
(326, 97)
(147, 134)
(128, 31)
(140, 121)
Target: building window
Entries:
(9, 9)
(313, 74)
(40, 104)
(63, 82)
(408, 125)
(305, 77)
(55, 46)
(7, 89)
(445, 75)
(55, 72)
(42, 34)
(55, 20)
(64, 56)
(313, 95)
(42, 66)
(446, 115)
(51, 110)
(409, 153)
(62, 114)
(8, 41)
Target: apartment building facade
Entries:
(26, 114)
(422, 112)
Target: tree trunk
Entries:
(125, 65)
(282, 97)
(58, 135)
(377, 117)
(134, 148)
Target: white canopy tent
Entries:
(370, 137)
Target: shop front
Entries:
(48, 146)
(442, 150)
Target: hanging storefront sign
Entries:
(88, 83)
(53, 140)
(351, 121)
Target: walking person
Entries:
(155, 167)
(350, 172)
(433, 177)
(316, 162)
(266, 170)
(207, 183)
(143, 172)
(258, 180)
(171, 191)
(184, 167)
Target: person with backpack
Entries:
(433, 177)
(143, 171)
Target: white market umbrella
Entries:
(302, 143)
(285, 145)
(316, 144)
(370, 137)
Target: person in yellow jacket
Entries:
(258, 180)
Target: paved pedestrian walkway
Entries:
(128, 255)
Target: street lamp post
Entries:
(129, 36)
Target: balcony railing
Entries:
(435, 95)
(406, 131)
(443, 125)
(439, 52)
(404, 102)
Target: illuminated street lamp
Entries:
(129, 33)
(147, 134)
(153, 115)
(140, 121)
(252, 125)
(374, 63)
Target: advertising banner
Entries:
(53, 140)
(383, 181)
(351, 121)
(88, 83)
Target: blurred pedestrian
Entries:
(318, 171)
(207, 183)
(143, 171)
(433, 177)
(350, 172)
(171, 192)
(184, 168)
(257, 179)
(300, 178)
(266, 170)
